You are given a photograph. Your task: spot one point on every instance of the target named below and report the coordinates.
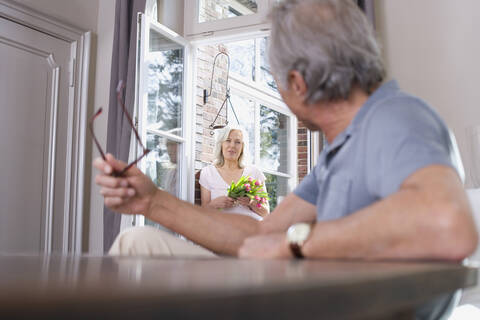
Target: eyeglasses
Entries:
(120, 91)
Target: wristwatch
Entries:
(297, 234)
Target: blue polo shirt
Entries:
(392, 135)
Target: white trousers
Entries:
(149, 241)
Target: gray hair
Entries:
(330, 42)
(222, 135)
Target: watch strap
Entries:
(296, 250)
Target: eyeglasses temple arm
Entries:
(121, 173)
(90, 126)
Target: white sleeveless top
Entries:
(211, 180)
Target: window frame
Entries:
(254, 84)
(222, 27)
(185, 161)
(314, 148)
(262, 95)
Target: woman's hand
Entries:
(244, 201)
(131, 193)
(253, 205)
(222, 202)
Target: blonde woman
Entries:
(231, 158)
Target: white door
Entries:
(34, 112)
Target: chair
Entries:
(470, 298)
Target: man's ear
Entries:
(296, 83)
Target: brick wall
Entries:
(205, 114)
(302, 151)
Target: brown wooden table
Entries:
(59, 287)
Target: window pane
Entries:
(245, 109)
(266, 77)
(165, 84)
(273, 140)
(162, 163)
(277, 188)
(211, 10)
(242, 58)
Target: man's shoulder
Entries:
(403, 119)
(404, 112)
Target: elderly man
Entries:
(384, 186)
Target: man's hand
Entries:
(269, 246)
(131, 193)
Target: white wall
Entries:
(105, 31)
(432, 48)
(80, 13)
(170, 14)
(96, 16)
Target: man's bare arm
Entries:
(291, 210)
(220, 232)
(428, 218)
(217, 231)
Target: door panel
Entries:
(33, 133)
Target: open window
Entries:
(271, 126)
(173, 121)
(162, 106)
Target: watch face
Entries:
(298, 232)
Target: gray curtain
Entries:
(368, 7)
(123, 68)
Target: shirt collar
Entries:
(384, 90)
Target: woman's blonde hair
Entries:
(222, 135)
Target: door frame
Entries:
(78, 105)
